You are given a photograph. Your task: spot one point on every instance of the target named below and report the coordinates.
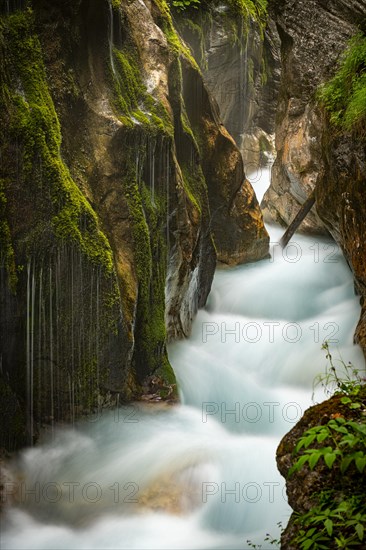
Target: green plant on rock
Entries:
(7, 257)
(334, 523)
(185, 4)
(343, 378)
(344, 96)
(346, 444)
(338, 520)
(253, 8)
(269, 539)
(34, 129)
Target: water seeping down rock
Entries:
(119, 190)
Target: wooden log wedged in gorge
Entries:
(300, 216)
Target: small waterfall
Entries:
(151, 149)
(98, 328)
(111, 37)
(51, 347)
(244, 68)
(29, 359)
(72, 333)
(167, 182)
(64, 335)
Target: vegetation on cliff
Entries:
(56, 259)
(344, 96)
(254, 8)
(32, 132)
(329, 461)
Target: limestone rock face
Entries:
(313, 34)
(236, 219)
(117, 179)
(341, 203)
(241, 68)
(310, 154)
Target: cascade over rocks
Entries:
(119, 188)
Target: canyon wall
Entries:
(240, 63)
(311, 152)
(120, 189)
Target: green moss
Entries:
(186, 126)
(166, 24)
(147, 216)
(264, 144)
(265, 69)
(247, 10)
(344, 96)
(194, 30)
(257, 9)
(56, 233)
(130, 90)
(7, 257)
(33, 125)
(194, 185)
(131, 100)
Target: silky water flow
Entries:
(201, 474)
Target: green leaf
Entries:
(329, 459)
(361, 428)
(346, 461)
(355, 406)
(350, 440)
(298, 464)
(346, 400)
(340, 429)
(329, 526)
(314, 459)
(309, 439)
(360, 463)
(322, 436)
(299, 445)
(360, 530)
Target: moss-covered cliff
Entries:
(113, 165)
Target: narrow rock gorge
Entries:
(128, 130)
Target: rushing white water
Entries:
(202, 474)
